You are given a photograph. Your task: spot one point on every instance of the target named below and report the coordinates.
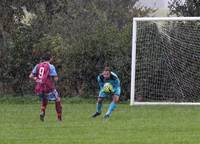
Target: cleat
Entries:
(96, 114)
(42, 114)
(106, 116)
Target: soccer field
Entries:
(20, 124)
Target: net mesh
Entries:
(167, 61)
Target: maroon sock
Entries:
(59, 109)
(44, 105)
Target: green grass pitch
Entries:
(20, 124)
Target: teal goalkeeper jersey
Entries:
(114, 80)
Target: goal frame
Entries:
(133, 59)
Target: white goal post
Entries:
(165, 61)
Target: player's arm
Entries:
(117, 83)
(100, 81)
(31, 76)
(116, 80)
(55, 78)
(33, 73)
(53, 73)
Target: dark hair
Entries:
(107, 69)
(46, 57)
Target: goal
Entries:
(165, 61)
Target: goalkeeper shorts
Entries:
(117, 92)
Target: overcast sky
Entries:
(155, 3)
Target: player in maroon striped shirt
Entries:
(45, 76)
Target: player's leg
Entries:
(99, 107)
(54, 96)
(113, 104)
(58, 107)
(43, 107)
(99, 104)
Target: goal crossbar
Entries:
(165, 18)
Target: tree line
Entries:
(82, 35)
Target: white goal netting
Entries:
(166, 57)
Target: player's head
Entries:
(106, 73)
(46, 57)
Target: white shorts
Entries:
(52, 96)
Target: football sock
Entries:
(44, 105)
(99, 107)
(58, 109)
(112, 106)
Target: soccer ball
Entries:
(107, 88)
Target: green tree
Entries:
(187, 8)
(82, 35)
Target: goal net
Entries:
(166, 61)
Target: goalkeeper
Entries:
(109, 84)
